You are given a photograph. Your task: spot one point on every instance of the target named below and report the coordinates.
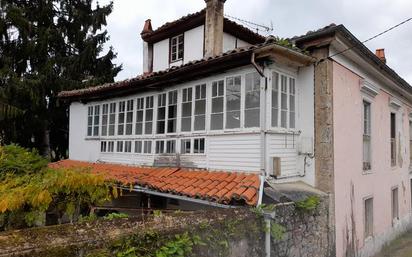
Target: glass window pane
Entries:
(216, 121)
(217, 104)
(187, 109)
(185, 146)
(252, 118)
(200, 122)
(186, 124)
(138, 146)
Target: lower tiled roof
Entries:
(217, 186)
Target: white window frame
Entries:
(138, 146)
(104, 130)
(103, 146)
(165, 146)
(178, 45)
(111, 147)
(110, 123)
(369, 235)
(119, 146)
(195, 100)
(140, 107)
(120, 104)
(149, 106)
(223, 96)
(186, 100)
(393, 140)
(395, 205)
(91, 113)
(366, 167)
(129, 113)
(192, 145)
(128, 146)
(147, 143)
(410, 141)
(288, 77)
(241, 103)
(163, 105)
(259, 108)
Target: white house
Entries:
(220, 113)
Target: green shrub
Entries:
(28, 188)
(114, 215)
(309, 204)
(17, 160)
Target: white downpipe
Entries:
(267, 236)
(260, 70)
(262, 182)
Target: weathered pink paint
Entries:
(348, 154)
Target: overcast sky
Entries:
(363, 18)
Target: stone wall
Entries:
(306, 233)
(232, 232)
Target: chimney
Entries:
(214, 27)
(147, 28)
(147, 48)
(381, 54)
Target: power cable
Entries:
(371, 38)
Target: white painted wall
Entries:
(80, 148)
(230, 42)
(193, 48)
(231, 150)
(161, 55)
(287, 143)
(194, 44)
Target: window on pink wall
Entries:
(393, 139)
(366, 135)
(395, 204)
(368, 218)
(410, 143)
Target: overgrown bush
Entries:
(29, 189)
(18, 161)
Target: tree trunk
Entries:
(45, 140)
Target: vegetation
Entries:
(29, 189)
(308, 204)
(47, 47)
(15, 160)
(277, 231)
(114, 215)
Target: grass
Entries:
(400, 247)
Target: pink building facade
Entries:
(353, 184)
(362, 141)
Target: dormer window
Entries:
(176, 48)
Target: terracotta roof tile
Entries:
(221, 187)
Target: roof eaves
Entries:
(199, 68)
(359, 48)
(196, 19)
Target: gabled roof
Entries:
(357, 46)
(232, 188)
(196, 19)
(186, 72)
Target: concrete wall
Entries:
(352, 184)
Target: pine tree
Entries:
(47, 46)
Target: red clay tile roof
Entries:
(221, 187)
(239, 56)
(196, 19)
